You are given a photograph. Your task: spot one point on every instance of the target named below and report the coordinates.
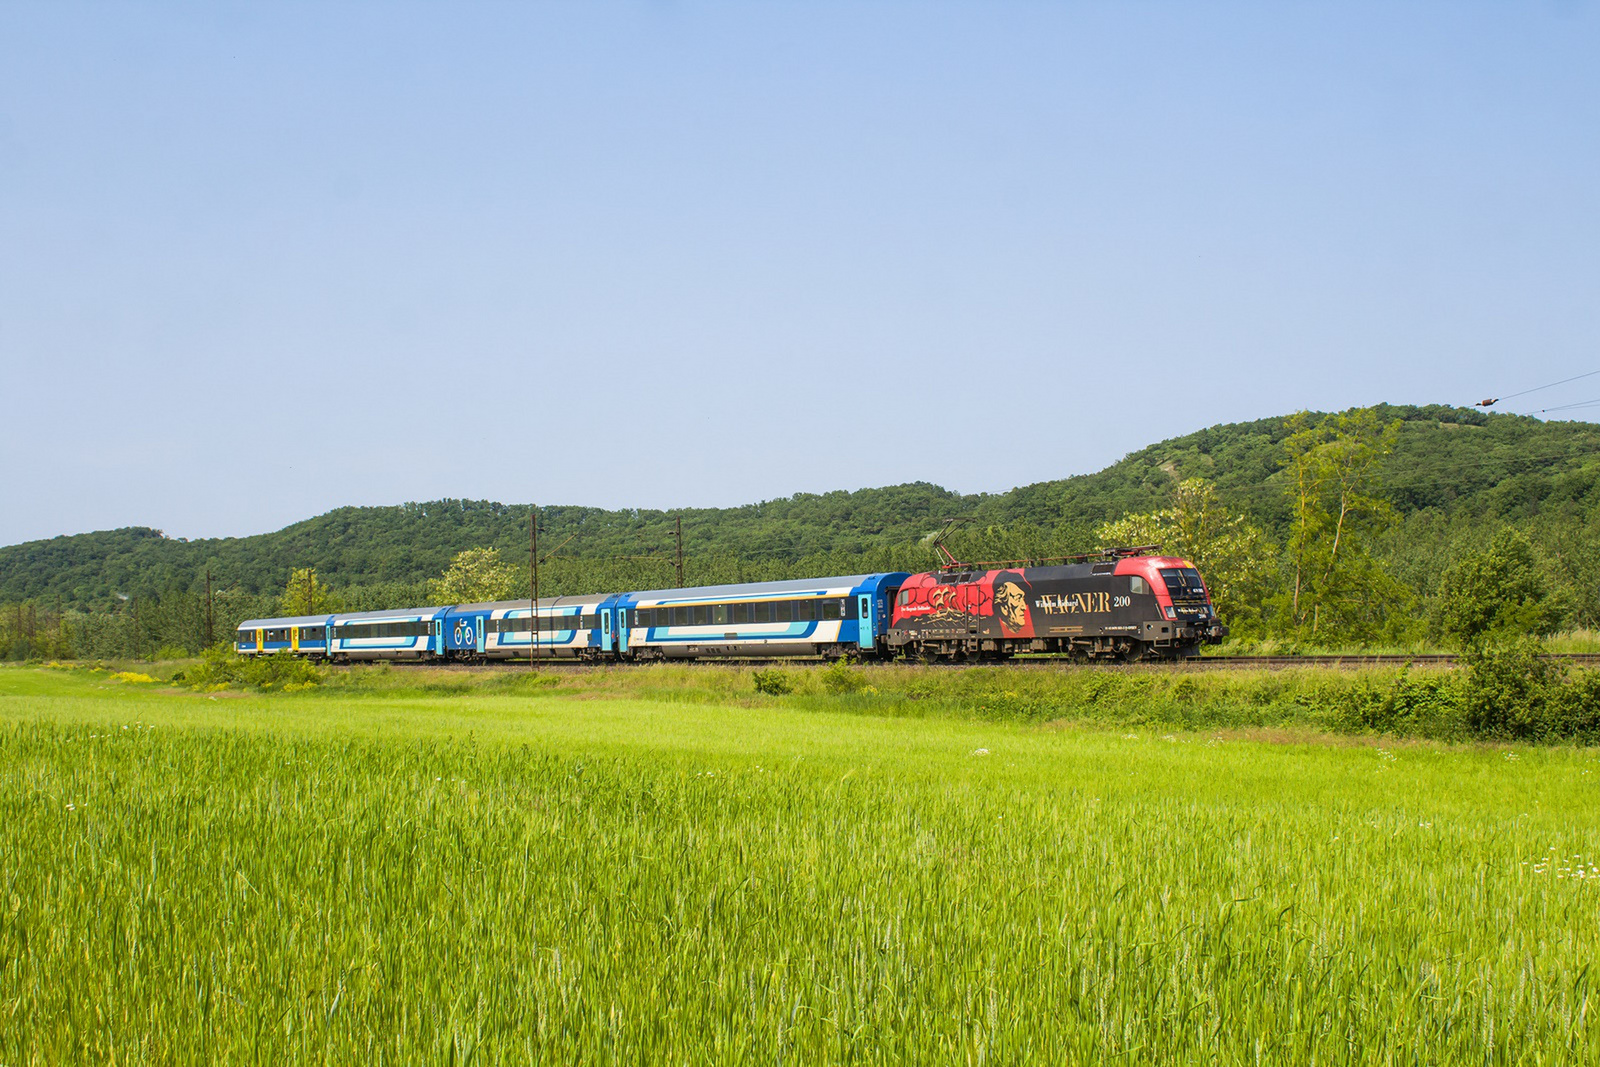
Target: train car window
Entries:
(719, 615)
(785, 611)
(741, 614)
(702, 614)
(805, 611)
(831, 609)
(850, 611)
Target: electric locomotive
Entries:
(1118, 606)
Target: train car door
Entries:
(622, 629)
(294, 638)
(481, 638)
(605, 630)
(864, 628)
(261, 640)
(438, 637)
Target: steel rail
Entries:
(1346, 661)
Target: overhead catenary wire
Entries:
(1538, 388)
(1566, 407)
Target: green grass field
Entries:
(523, 870)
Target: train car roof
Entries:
(297, 620)
(391, 613)
(544, 602)
(803, 585)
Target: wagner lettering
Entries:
(1073, 603)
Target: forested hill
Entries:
(1448, 461)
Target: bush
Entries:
(220, 666)
(773, 682)
(1514, 694)
(838, 677)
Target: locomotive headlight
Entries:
(1172, 612)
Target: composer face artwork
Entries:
(1011, 605)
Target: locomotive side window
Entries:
(1140, 586)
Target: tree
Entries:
(1498, 592)
(306, 595)
(474, 576)
(1336, 503)
(1235, 557)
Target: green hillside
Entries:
(1454, 475)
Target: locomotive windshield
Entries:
(1183, 584)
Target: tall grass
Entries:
(576, 877)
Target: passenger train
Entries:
(1117, 606)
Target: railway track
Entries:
(1348, 662)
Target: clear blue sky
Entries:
(258, 261)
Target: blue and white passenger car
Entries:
(570, 627)
(406, 633)
(827, 617)
(304, 635)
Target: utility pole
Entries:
(309, 610)
(533, 585)
(209, 616)
(678, 524)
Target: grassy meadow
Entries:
(400, 867)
